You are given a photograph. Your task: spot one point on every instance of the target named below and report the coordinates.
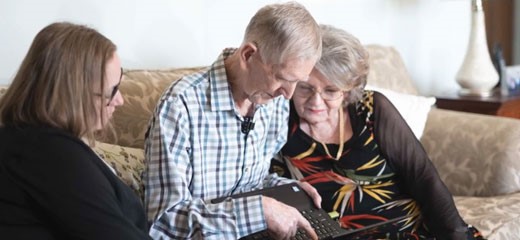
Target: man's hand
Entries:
(312, 192)
(283, 220)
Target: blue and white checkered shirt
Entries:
(196, 152)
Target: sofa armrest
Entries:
(475, 154)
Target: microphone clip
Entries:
(247, 125)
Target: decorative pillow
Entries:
(413, 108)
(127, 162)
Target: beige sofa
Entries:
(477, 156)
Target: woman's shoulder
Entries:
(371, 100)
(367, 106)
(366, 103)
(39, 139)
(373, 96)
(46, 152)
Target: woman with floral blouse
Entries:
(354, 147)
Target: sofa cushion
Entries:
(387, 70)
(141, 90)
(495, 217)
(127, 162)
(475, 154)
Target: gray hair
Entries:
(344, 61)
(284, 31)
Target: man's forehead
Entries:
(294, 69)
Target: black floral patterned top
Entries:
(383, 173)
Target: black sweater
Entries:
(53, 186)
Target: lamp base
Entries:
(475, 93)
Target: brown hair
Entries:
(57, 79)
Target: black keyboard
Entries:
(319, 220)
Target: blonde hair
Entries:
(283, 31)
(344, 61)
(57, 79)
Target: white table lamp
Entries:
(477, 75)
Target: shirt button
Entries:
(246, 170)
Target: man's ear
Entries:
(247, 51)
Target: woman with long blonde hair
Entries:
(53, 185)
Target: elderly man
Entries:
(214, 133)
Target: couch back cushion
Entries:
(141, 90)
(387, 70)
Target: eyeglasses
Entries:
(114, 90)
(305, 90)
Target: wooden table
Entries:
(497, 105)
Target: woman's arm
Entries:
(71, 189)
(416, 172)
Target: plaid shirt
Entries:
(196, 152)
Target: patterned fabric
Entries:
(363, 185)
(141, 90)
(387, 70)
(478, 155)
(196, 152)
(128, 163)
(498, 218)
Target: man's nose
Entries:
(288, 89)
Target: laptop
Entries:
(326, 227)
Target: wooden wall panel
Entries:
(499, 26)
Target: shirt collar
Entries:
(220, 91)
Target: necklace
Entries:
(341, 136)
